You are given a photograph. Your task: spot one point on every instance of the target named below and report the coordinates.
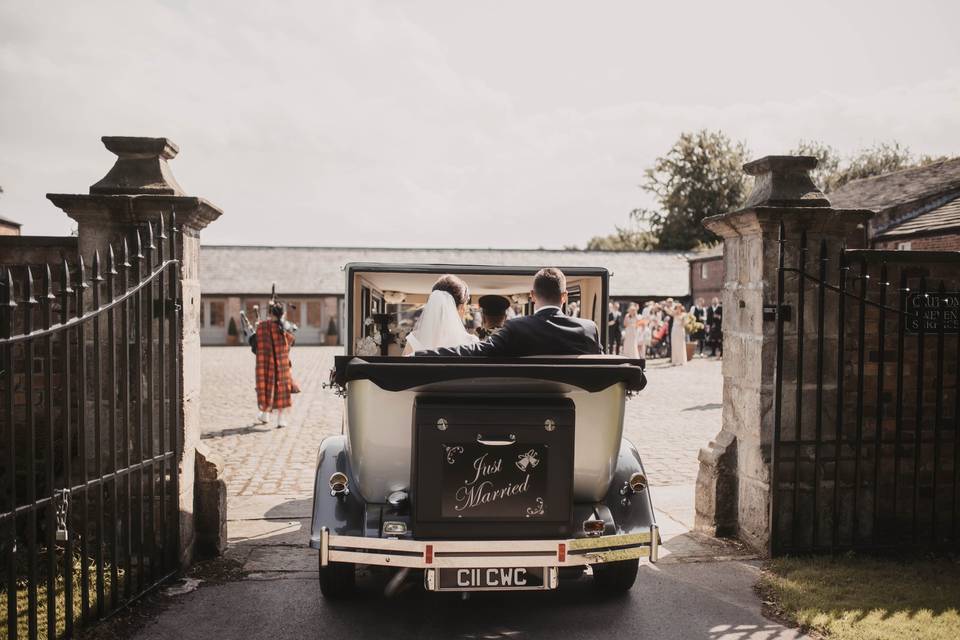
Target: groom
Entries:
(547, 332)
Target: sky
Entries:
(450, 124)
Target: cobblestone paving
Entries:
(669, 421)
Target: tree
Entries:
(701, 175)
(881, 158)
(829, 165)
(624, 239)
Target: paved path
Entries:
(669, 421)
(701, 588)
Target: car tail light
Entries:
(562, 552)
(428, 554)
(338, 484)
(593, 527)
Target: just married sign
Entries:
(493, 482)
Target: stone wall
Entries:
(139, 189)
(733, 487)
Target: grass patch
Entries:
(60, 598)
(860, 598)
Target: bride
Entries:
(441, 321)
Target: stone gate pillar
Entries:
(733, 485)
(139, 188)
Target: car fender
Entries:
(343, 515)
(632, 513)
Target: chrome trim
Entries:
(654, 543)
(324, 546)
(490, 553)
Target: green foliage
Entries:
(232, 327)
(701, 175)
(332, 327)
(834, 172)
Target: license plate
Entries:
(499, 579)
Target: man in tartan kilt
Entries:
(274, 379)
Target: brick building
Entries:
(916, 208)
(706, 273)
(8, 227)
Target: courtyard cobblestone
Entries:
(669, 421)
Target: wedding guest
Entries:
(614, 331)
(715, 327)
(493, 310)
(645, 333)
(699, 313)
(678, 341)
(630, 332)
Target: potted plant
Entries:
(232, 333)
(333, 335)
(691, 328)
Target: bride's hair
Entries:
(454, 286)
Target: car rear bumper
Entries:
(427, 554)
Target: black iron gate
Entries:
(89, 399)
(866, 438)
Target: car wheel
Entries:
(615, 577)
(337, 580)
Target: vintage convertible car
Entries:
(484, 473)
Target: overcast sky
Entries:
(500, 124)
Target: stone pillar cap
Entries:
(141, 168)
(784, 181)
(140, 147)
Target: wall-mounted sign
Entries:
(933, 312)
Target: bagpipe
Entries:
(249, 328)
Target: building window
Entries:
(217, 312)
(704, 270)
(903, 246)
(248, 307)
(314, 313)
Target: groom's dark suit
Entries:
(548, 332)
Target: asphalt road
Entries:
(686, 601)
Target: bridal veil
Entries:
(440, 325)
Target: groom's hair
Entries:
(454, 286)
(549, 285)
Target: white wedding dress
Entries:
(440, 325)
(678, 341)
(630, 337)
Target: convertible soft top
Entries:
(591, 373)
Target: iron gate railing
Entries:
(866, 438)
(89, 399)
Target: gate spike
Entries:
(126, 254)
(111, 261)
(139, 246)
(161, 231)
(28, 292)
(66, 278)
(150, 245)
(48, 285)
(96, 266)
(81, 274)
(9, 284)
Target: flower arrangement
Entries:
(370, 345)
(690, 324)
